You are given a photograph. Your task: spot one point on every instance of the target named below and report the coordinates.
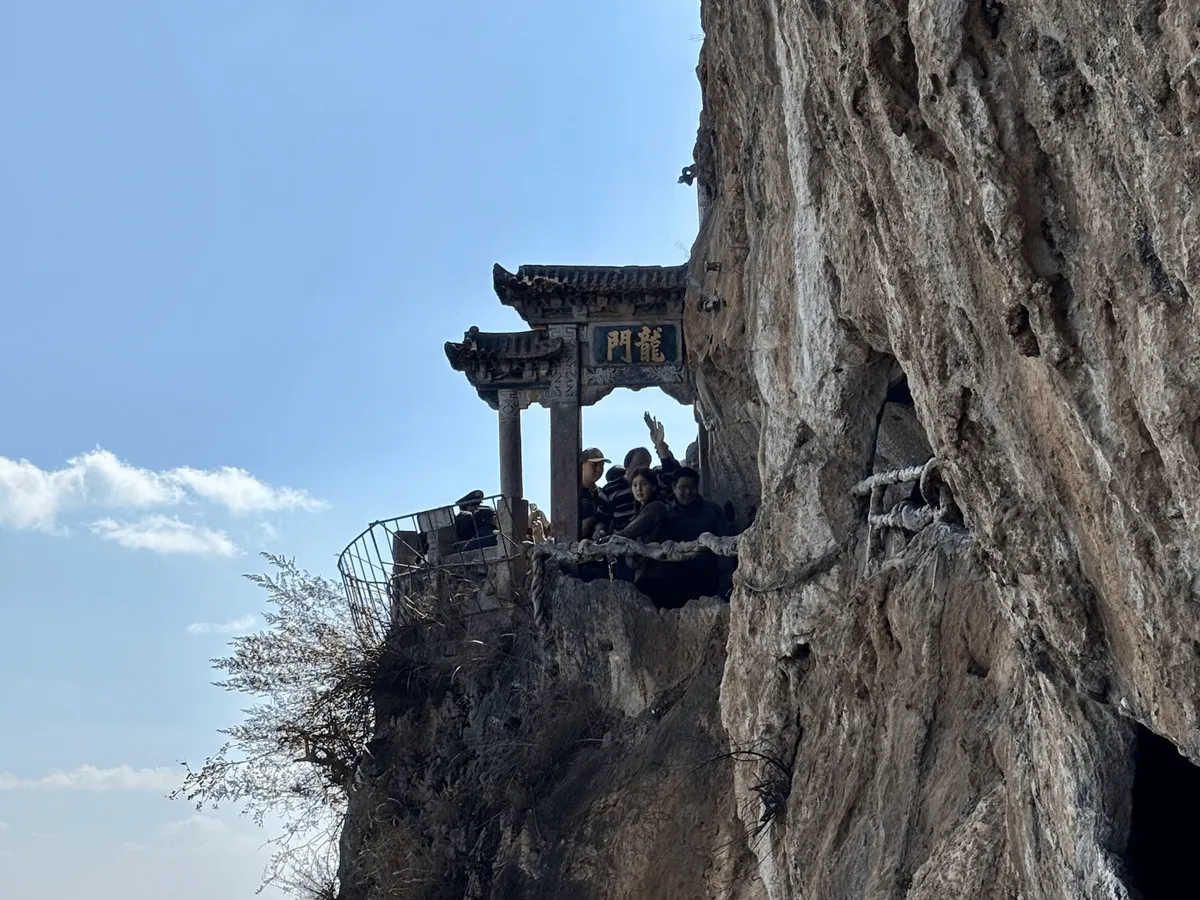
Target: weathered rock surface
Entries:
(960, 227)
(586, 762)
(997, 197)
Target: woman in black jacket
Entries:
(650, 526)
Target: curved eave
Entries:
(530, 286)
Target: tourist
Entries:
(651, 519)
(691, 516)
(592, 463)
(475, 524)
(539, 525)
(650, 525)
(615, 506)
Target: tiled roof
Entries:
(479, 346)
(560, 280)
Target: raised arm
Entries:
(659, 439)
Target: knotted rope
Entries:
(612, 549)
(907, 516)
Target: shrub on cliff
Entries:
(293, 757)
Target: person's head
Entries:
(687, 486)
(643, 485)
(471, 501)
(592, 463)
(637, 458)
(613, 474)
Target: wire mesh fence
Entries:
(394, 563)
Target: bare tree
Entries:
(294, 755)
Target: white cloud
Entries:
(4, 826)
(164, 534)
(91, 778)
(7, 854)
(207, 830)
(36, 498)
(233, 626)
(29, 497)
(197, 824)
(240, 492)
(110, 482)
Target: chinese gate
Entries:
(594, 329)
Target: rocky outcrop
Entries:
(997, 199)
(958, 227)
(584, 761)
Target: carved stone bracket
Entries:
(564, 375)
(509, 403)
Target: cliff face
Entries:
(959, 227)
(994, 199)
(584, 760)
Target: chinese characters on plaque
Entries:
(645, 345)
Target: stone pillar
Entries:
(512, 482)
(565, 434)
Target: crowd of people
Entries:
(638, 500)
(651, 504)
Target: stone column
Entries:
(565, 433)
(512, 482)
(564, 470)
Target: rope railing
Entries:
(385, 567)
(888, 478)
(906, 515)
(614, 548)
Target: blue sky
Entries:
(233, 239)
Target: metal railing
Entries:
(388, 567)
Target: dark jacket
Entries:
(479, 523)
(588, 498)
(651, 525)
(689, 522)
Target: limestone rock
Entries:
(998, 199)
(588, 761)
(991, 203)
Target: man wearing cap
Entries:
(592, 463)
(475, 524)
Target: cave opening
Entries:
(899, 392)
(900, 438)
(1164, 831)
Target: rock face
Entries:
(959, 227)
(994, 199)
(586, 760)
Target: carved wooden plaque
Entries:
(652, 344)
